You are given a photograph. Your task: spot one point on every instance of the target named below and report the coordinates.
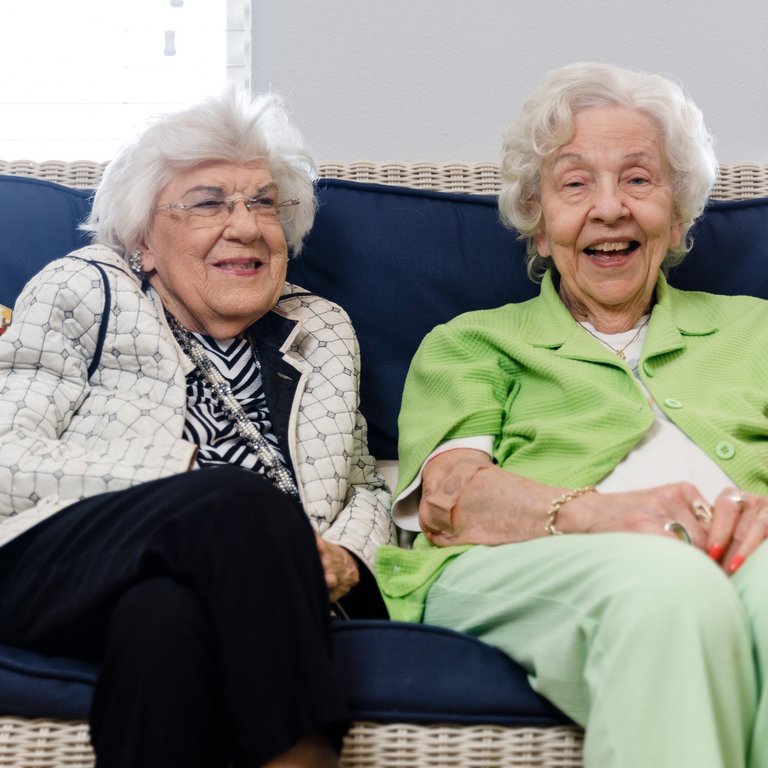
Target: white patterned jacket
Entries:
(65, 436)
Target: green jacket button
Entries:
(670, 402)
(725, 450)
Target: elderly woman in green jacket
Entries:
(538, 440)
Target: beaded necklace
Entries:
(274, 468)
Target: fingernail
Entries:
(735, 564)
(716, 551)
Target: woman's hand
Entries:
(739, 526)
(340, 568)
(466, 499)
(651, 510)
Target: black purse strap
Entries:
(94, 364)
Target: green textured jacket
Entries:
(564, 410)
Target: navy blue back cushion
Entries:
(38, 223)
(400, 261)
(730, 250)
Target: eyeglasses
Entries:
(209, 212)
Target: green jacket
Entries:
(564, 410)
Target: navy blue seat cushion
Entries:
(394, 672)
(391, 672)
(32, 685)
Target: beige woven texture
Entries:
(736, 181)
(52, 744)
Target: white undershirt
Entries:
(664, 455)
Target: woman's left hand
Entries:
(739, 525)
(340, 568)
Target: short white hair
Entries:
(546, 123)
(230, 127)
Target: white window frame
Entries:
(37, 127)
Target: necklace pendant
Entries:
(620, 353)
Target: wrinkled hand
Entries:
(645, 511)
(729, 531)
(340, 568)
(739, 525)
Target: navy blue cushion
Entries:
(730, 250)
(38, 223)
(394, 672)
(400, 261)
(32, 685)
(390, 671)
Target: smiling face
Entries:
(216, 279)
(608, 216)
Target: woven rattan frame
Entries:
(370, 745)
(54, 744)
(736, 181)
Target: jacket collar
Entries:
(675, 316)
(276, 326)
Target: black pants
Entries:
(202, 598)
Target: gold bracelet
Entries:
(554, 508)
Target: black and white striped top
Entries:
(206, 422)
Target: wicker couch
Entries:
(402, 248)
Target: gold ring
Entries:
(702, 511)
(737, 497)
(678, 530)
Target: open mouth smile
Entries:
(239, 265)
(612, 249)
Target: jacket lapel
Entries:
(279, 378)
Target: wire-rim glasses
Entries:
(210, 211)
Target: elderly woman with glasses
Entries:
(186, 492)
(590, 468)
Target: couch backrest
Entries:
(38, 223)
(398, 260)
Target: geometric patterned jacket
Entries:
(66, 435)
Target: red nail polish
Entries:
(716, 551)
(735, 564)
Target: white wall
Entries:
(406, 80)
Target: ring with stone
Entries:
(702, 511)
(678, 530)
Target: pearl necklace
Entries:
(275, 470)
(618, 352)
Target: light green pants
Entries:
(642, 640)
